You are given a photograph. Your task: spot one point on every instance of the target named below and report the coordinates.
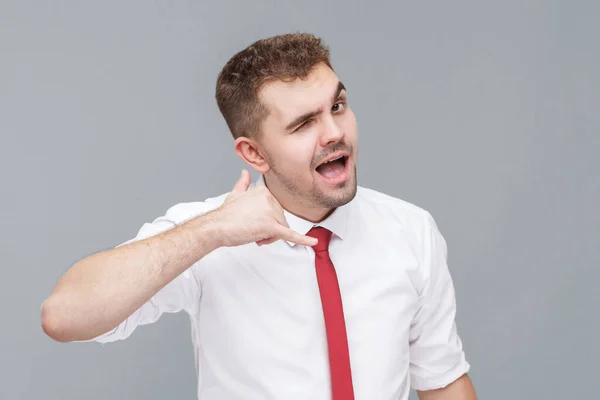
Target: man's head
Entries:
(287, 111)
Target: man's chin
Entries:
(340, 195)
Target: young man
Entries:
(302, 285)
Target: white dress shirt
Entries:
(257, 324)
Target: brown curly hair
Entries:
(286, 57)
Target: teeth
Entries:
(327, 162)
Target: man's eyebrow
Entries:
(338, 91)
(300, 119)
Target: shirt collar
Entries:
(336, 222)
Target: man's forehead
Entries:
(313, 90)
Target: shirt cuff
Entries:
(423, 384)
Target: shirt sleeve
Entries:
(181, 294)
(436, 352)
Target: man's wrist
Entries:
(205, 231)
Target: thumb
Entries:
(243, 183)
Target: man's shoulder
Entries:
(185, 211)
(394, 212)
(391, 204)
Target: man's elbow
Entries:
(53, 324)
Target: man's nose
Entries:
(332, 133)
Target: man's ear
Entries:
(249, 150)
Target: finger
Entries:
(290, 235)
(243, 183)
(280, 218)
(264, 242)
(276, 202)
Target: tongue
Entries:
(331, 169)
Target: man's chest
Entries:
(267, 306)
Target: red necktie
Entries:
(335, 325)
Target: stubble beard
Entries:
(315, 197)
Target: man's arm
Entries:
(460, 389)
(437, 360)
(100, 291)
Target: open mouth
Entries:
(333, 169)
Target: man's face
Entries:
(310, 123)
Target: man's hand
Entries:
(253, 215)
(460, 389)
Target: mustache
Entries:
(340, 146)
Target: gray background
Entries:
(484, 114)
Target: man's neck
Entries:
(314, 216)
(295, 206)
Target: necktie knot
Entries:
(323, 235)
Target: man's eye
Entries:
(338, 106)
(304, 125)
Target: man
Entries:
(302, 285)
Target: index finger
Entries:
(287, 233)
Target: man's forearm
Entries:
(102, 290)
(460, 389)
